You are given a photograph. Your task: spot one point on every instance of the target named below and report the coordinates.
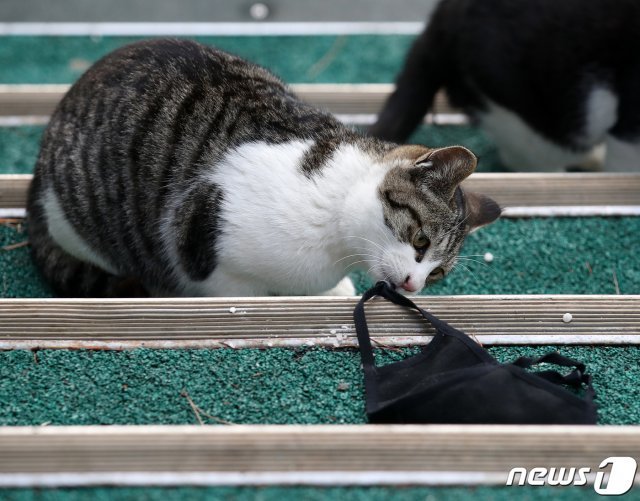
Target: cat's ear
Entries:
(479, 210)
(441, 170)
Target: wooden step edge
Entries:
(588, 194)
(41, 99)
(302, 454)
(327, 321)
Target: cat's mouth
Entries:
(409, 286)
(402, 288)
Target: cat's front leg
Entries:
(344, 287)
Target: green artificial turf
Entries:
(296, 59)
(19, 148)
(19, 145)
(531, 256)
(249, 386)
(540, 256)
(308, 494)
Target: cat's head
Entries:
(426, 214)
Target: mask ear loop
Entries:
(395, 297)
(382, 289)
(364, 341)
(366, 350)
(440, 326)
(362, 330)
(575, 378)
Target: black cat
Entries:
(548, 80)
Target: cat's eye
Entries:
(436, 274)
(421, 241)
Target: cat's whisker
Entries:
(466, 268)
(362, 248)
(457, 225)
(353, 255)
(473, 260)
(357, 262)
(367, 240)
(382, 229)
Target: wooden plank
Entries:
(558, 189)
(598, 192)
(263, 454)
(305, 321)
(235, 21)
(13, 190)
(28, 99)
(346, 99)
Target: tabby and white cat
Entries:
(172, 168)
(548, 80)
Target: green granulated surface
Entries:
(248, 386)
(465, 135)
(578, 256)
(19, 148)
(19, 145)
(309, 494)
(295, 59)
(18, 275)
(531, 256)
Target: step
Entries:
(344, 99)
(520, 194)
(266, 322)
(293, 454)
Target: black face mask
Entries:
(455, 380)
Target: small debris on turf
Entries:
(488, 257)
(342, 386)
(615, 282)
(197, 410)
(11, 222)
(379, 344)
(15, 246)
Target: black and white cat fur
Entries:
(171, 168)
(548, 80)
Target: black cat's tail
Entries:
(423, 74)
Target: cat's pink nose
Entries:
(408, 285)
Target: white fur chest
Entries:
(282, 233)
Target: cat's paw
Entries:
(345, 287)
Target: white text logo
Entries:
(620, 477)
